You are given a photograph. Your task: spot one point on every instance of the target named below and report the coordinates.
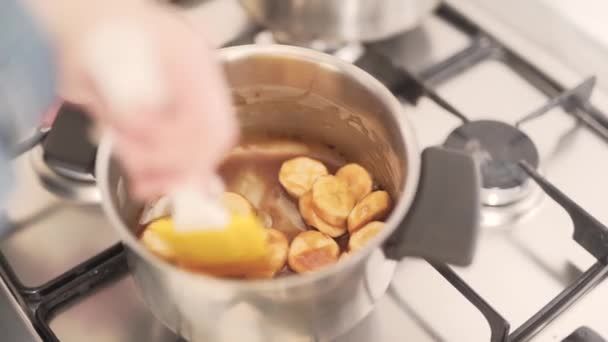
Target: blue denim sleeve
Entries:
(26, 80)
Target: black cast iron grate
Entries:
(43, 302)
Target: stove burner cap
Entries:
(498, 147)
(65, 160)
(63, 183)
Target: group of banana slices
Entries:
(334, 205)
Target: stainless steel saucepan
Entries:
(338, 21)
(435, 214)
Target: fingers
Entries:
(160, 89)
(150, 173)
(145, 188)
(122, 60)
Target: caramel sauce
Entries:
(252, 170)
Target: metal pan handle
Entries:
(443, 221)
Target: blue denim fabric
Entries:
(26, 80)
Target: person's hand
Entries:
(153, 81)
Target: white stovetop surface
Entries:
(518, 268)
(574, 31)
(588, 15)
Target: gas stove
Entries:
(541, 259)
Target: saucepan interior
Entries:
(300, 94)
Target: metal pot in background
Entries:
(335, 22)
(435, 213)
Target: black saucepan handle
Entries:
(443, 221)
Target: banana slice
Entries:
(272, 148)
(298, 174)
(237, 204)
(308, 213)
(278, 246)
(362, 236)
(374, 206)
(155, 244)
(332, 200)
(358, 180)
(311, 251)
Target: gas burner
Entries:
(64, 162)
(498, 147)
(63, 182)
